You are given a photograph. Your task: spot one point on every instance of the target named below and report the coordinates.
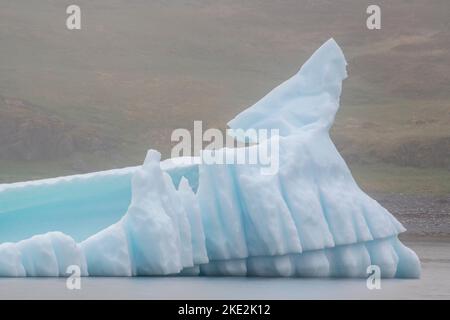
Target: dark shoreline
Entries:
(422, 215)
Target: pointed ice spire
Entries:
(307, 101)
(152, 156)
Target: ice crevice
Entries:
(180, 217)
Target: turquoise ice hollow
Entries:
(179, 216)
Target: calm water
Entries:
(434, 284)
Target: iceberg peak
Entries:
(152, 156)
(308, 101)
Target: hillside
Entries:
(98, 98)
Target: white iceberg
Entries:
(309, 219)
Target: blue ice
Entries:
(309, 219)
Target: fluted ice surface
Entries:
(308, 218)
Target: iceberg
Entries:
(185, 217)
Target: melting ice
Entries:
(309, 219)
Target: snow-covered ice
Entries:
(309, 219)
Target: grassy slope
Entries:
(386, 178)
(376, 141)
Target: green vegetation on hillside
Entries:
(98, 98)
